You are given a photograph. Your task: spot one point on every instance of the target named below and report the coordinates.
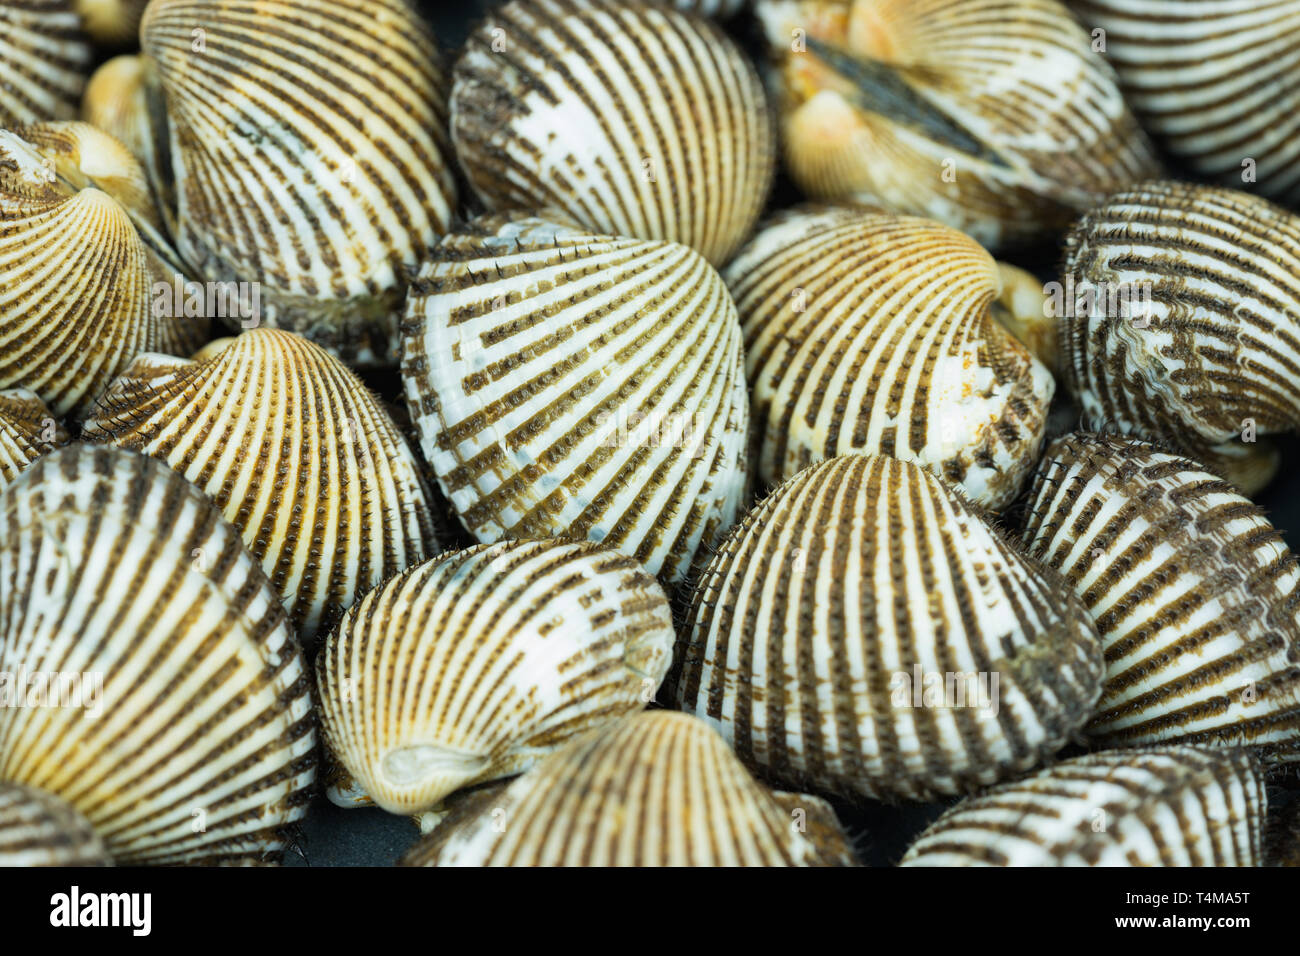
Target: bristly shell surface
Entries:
(1193, 332)
(470, 667)
(201, 746)
(297, 454)
(1174, 806)
(634, 119)
(817, 631)
(39, 829)
(872, 333)
(1195, 595)
(44, 60)
(657, 789)
(27, 430)
(570, 383)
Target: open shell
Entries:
(632, 118)
(570, 383)
(44, 60)
(296, 452)
(873, 333)
(183, 728)
(657, 789)
(469, 667)
(863, 632)
(39, 829)
(1175, 806)
(1192, 590)
(27, 430)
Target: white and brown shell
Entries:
(1180, 321)
(28, 430)
(863, 632)
(657, 789)
(1213, 82)
(201, 745)
(1170, 806)
(297, 454)
(632, 118)
(469, 667)
(39, 829)
(992, 117)
(44, 61)
(874, 333)
(1194, 593)
(570, 383)
(308, 154)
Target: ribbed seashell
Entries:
(992, 117)
(564, 382)
(113, 23)
(81, 248)
(296, 452)
(632, 118)
(1173, 806)
(873, 333)
(469, 667)
(44, 60)
(184, 731)
(308, 154)
(1212, 80)
(657, 789)
(1195, 595)
(864, 633)
(1193, 334)
(27, 430)
(39, 829)
(709, 8)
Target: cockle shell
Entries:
(1172, 806)
(873, 333)
(39, 829)
(201, 745)
(657, 789)
(296, 452)
(570, 383)
(1213, 82)
(989, 116)
(634, 119)
(80, 250)
(44, 59)
(863, 632)
(1195, 595)
(710, 8)
(27, 430)
(111, 22)
(1182, 322)
(469, 667)
(308, 154)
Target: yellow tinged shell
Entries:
(470, 667)
(294, 450)
(1195, 595)
(657, 789)
(634, 119)
(27, 430)
(863, 632)
(577, 384)
(111, 22)
(44, 59)
(183, 731)
(1174, 806)
(39, 829)
(873, 333)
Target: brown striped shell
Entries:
(992, 117)
(39, 829)
(632, 118)
(1213, 81)
(709, 8)
(863, 632)
(570, 383)
(469, 667)
(294, 450)
(657, 789)
(1194, 593)
(1173, 806)
(182, 726)
(27, 430)
(874, 333)
(1179, 308)
(308, 154)
(44, 60)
